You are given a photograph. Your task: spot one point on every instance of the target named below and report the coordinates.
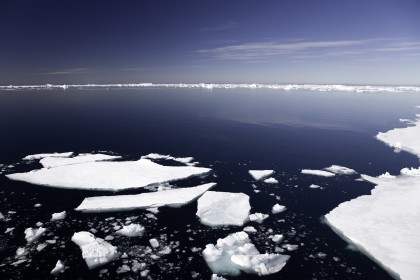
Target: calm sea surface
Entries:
(230, 131)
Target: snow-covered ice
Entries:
(95, 251)
(40, 156)
(236, 253)
(386, 175)
(58, 216)
(154, 243)
(184, 160)
(277, 208)
(170, 198)
(132, 230)
(271, 180)
(59, 267)
(108, 175)
(317, 172)
(249, 229)
(258, 217)
(223, 208)
(33, 234)
(341, 170)
(260, 174)
(49, 162)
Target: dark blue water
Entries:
(230, 130)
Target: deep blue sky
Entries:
(268, 41)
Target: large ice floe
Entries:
(260, 174)
(317, 172)
(340, 170)
(91, 172)
(223, 208)
(236, 253)
(386, 224)
(171, 198)
(95, 251)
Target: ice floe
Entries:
(170, 198)
(59, 268)
(58, 216)
(277, 208)
(108, 175)
(258, 217)
(282, 87)
(223, 208)
(317, 172)
(260, 174)
(33, 234)
(49, 162)
(95, 251)
(271, 180)
(132, 230)
(41, 156)
(250, 229)
(313, 186)
(341, 170)
(184, 160)
(154, 243)
(236, 253)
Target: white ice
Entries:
(386, 175)
(40, 156)
(271, 180)
(33, 234)
(410, 171)
(260, 174)
(132, 230)
(341, 170)
(58, 216)
(258, 217)
(184, 160)
(223, 208)
(108, 175)
(236, 253)
(154, 243)
(49, 162)
(95, 251)
(313, 186)
(216, 277)
(277, 208)
(317, 172)
(171, 198)
(59, 268)
(1, 216)
(250, 229)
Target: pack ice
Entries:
(223, 208)
(236, 253)
(385, 224)
(106, 175)
(95, 251)
(171, 198)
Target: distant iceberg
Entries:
(283, 87)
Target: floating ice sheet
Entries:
(95, 251)
(341, 170)
(171, 198)
(223, 208)
(108, 175)
(317, 172)
(81, 158)
(260, 174)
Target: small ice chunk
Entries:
(165, 251)
(216, 277)
(33, 234)
(154, 243)
(21, 252)
(258, 217)
(58, 216)
(59, 268)
(170, 198)
(123, 269)
(260, 174)
(41, 247)
(9, 230)
(40, 156)
(271, 180)
(1, 216)
(261, 264)
(277, 238)
(313, 186)
(317, 172)
(250, 229)
(38, 205)
(290, 247)
(277, 208)
(386, 175)
(95, 251)
(132, 230)
(153, 210)
(39, 224)
(223, 208)
(341, 170)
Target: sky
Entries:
(361, 42)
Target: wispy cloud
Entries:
(68, 71)
(221, 27)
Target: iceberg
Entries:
(108, 175)
(317, 172)
(223, 208)
(236, 253)
(132, 230)
(49, 162)
(58, 216)
(170, 198)
(341, 170)
(33, 234)
(59, 268)
(260, 174)
(95, 251)
(277, 208)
